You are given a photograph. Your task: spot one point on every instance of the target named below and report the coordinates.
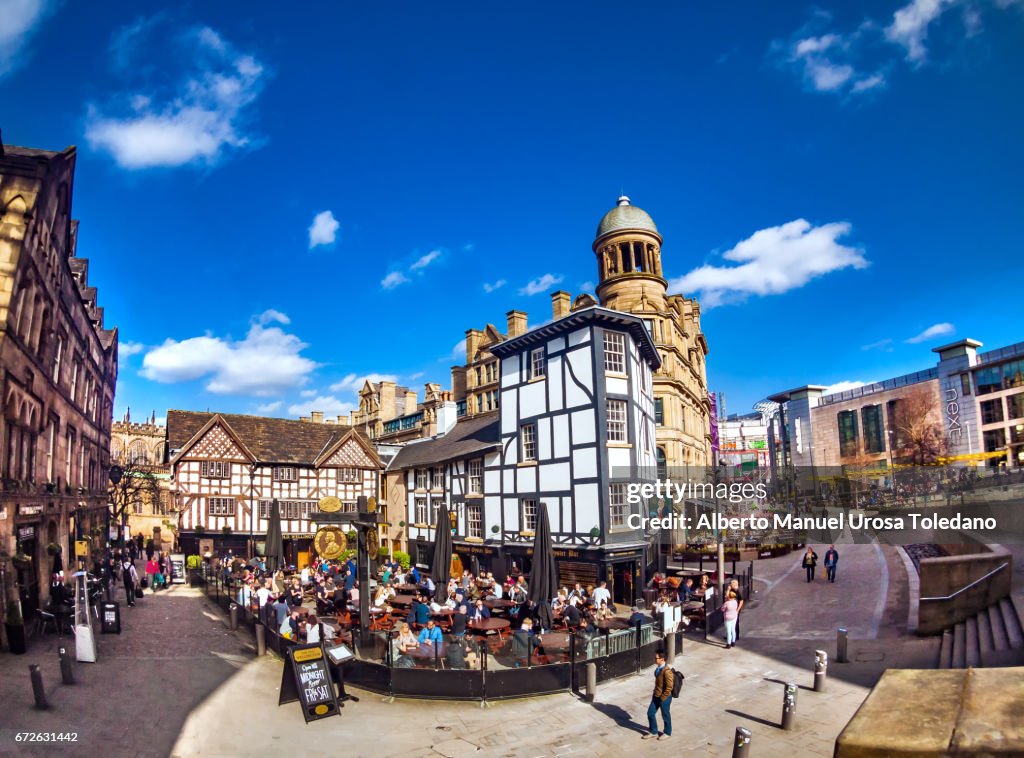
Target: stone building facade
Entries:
(58, 370)
(391, 414)
(139, 449)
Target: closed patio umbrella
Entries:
(274, 549)
(441, 566)
(543, 572)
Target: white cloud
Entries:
(270, 316)
(935, 330)
(355, 382)
(323, 230)
(826, 62)
(459, 351)
(193, 121)
(19, 20)
(773, 261)
(885, 345)
(307, 393)
(394, 279)
(269, 407)
(425, 260)
(541, 284)
(126, 350)
(849, 384)
(327, 404)
(909, 27)
(417, 375)
(587, 286)
(267, 362)
(490, 287)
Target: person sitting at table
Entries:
(414, 576)
(602, 595)
(290, 626)
(459, 619)
(603, 612)
(479, 612)
(419, 613)
(496, 590)
(704, 583)
(560, 601)
(578, 592)
(638, 617)
(571, 613)
(657, 581)
(353, 595)
(384, 593)
(524, 642)
(431, 633)
(295, 594)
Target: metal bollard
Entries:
(820, 668)
(741, 749)
(670, 646)
(591, 682)
(233, 612)
(37, 687)
(67, 674)
(788, 706)
(261, 640)
(841, 640)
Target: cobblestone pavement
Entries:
(173, 651)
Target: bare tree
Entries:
(920, 436)
(137, 488)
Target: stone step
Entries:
(959, 646)
(972, 650)
(946, 650)
(995, 619)
(1012, 623)
(985, 641)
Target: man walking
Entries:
(661, 700)
(130, 577)
(831, 559)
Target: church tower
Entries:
(630, 279)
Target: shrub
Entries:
(403, 559)
(194, 561)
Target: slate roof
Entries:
(474, 435)
(271, 440)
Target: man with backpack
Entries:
(668, 683)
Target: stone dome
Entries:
(625, 216)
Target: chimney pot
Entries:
(516, 323)
(561, 304)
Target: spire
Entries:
(623, 200)
(128, 415)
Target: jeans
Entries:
(652, 714)
(830, 572)
(730, 632)
(810, 573)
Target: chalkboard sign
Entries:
(177, 568)
(306, 678)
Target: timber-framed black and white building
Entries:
(576, 424)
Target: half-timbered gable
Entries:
(227, 470)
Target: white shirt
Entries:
(497, 591)
(313, 633)
(602, 594)
(263, 594)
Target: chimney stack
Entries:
(343, 420)
(516, 323)
(561, 303)
(473, 339)
(318, 417)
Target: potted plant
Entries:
(14, 626)
(54, 549)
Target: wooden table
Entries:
(486, 626)
(426, 652)
(408, 588)
(494, 603)
(402, 601)
(554, 641)
(613, 624)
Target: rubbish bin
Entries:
(110, 615)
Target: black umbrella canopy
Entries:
(274, 549)
(441, 566)
(543, 573)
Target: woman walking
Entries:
(731, 609)
(810, 561)
(152, 567)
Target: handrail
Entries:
(996, 570)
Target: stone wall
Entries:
(941, 577)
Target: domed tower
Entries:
(628, 250)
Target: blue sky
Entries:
(276, 205)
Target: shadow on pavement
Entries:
(756, 719)
(779, 681)
(619, 716)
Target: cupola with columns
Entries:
(628, 250)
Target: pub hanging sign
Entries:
(306, 678)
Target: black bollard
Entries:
(67, 674)
(233, 611)
(261, 640)
(820, 668)
(37, 687)
(591, 682)
(788, 706)
(841, 640)
(741, 749)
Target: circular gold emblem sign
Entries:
(372, 544)
(329, 504)
(330, 542)
(320, 710)
(371, 505)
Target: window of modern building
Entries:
(965, 384)
(460, 408)
(988, 380)
(1015, 405)
(1013, 374)
(618, 507)
(848, 442)
(528, 515)
(1017, 434)
(474, 520)
(475, 484)
(538, 364)
(421, 478)
(528, 442)
(220, 506)
(992, 411)
(994, 440)
(874, 432)
(892, 413)
(215, 469)
(421, 510)
(614, 352)
(616, 416)
(659, 411)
